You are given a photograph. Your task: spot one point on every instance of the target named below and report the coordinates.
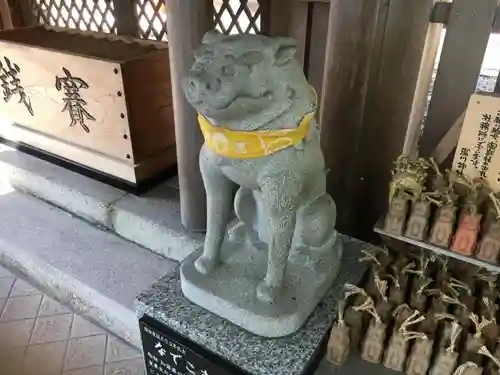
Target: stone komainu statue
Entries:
(257, 114)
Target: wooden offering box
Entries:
(99, 102)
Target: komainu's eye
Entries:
(227, 71)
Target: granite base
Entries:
(230, 291)
(290, 355)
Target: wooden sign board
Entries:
(477, 153)
(103, 104)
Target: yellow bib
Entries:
(251, 144)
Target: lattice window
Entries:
(230, 16)
(85, 15)
(237, 16)
(152, 19)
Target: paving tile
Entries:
(85, 352)
(11, 360)
(52, 307)
(15, 333)
(21, 308)
(22, 288)
(130, 367)
(94, 370)
(45, 358)
(5, 286)
(52, 328)
(118, 350)
(83, 328)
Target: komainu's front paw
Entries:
(267, 293)
(205, 265)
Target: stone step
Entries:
(94, 271)
(152, 220)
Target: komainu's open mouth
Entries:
(239, 97)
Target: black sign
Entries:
(168, 353)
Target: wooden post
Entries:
(187, 21)
(5, 18)
(299, 28)
(20, 11)
(349, 53)
(288, 18)
(25, 9)
(420, 98)
(371, 46)
(467, 33)
(278, 17)
(389, 101)
(316, 45)
(126, 20)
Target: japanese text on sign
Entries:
(11, 84)
(169, 358)
(476, 154)
(484, 126)
(75, 105)
(464, 154)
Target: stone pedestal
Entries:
(224, 344)
(230, 291)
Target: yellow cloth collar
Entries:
(252, 144)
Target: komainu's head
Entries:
(234, 77)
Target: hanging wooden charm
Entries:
(397, 349)
(442, 229)
(475, 341)
(396, 216)
(373, 344)
(400, 277)
(489, 247)
(465, 239)
(338, 344)
(444, 220)
(417, 225)
(353, 317)
(495, 361)
(446, 359)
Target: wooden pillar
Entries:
(5, 18)
(187, 21)
(420, 98)
(350, 43)
(277, 13)
(24, 9)
(374, 52)
(389, 103)
(126, 19)
(467, 33)
(316, 44)
(291, 18)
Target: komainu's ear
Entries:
(212, 36)
(285, 51)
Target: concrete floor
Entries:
(39, 336)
